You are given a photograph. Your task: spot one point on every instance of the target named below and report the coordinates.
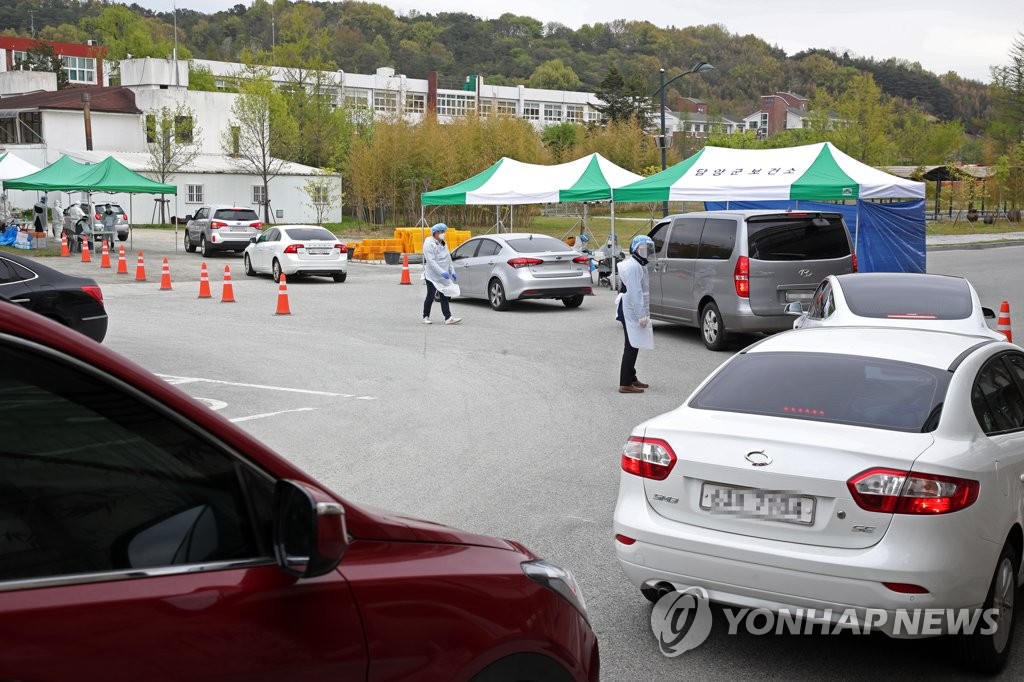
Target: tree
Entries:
(1008, 96)
(262, 133)
(173, 141)
(561, 139)
(554, 75)
(323, 192)
(41, 57)
(622, 102)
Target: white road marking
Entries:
(186, 380)
(271, 414)
(212, 403)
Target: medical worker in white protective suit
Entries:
(439, 274)
(634, 311)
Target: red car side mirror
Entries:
(310, 537)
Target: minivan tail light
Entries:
(99, 216)
(524, 262)
(214, 224)
(94, 291)
(293, 248)
(742, 277)
(891, 491)
(650, 458)
(257, 225)
(854, 262)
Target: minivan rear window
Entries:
(789, 238)
(846, 389)
(235, 214)
(537, 244)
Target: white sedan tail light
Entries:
(891, 491)
(648, 458)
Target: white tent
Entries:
(12, 166)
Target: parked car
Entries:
(147, 537)
(834, 468)
(501, 268)
(297, 250)
(221, 228)
(75, 302)
(896, 299)
(94, 222)
(735, 271)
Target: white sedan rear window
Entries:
(847, 389)
(301, 233)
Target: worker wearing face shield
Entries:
(633, 310)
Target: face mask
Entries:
(642, 250)
(440, 235)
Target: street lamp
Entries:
(697, 68)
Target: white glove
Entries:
(644, 321)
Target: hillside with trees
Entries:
(894, 112)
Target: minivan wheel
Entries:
(572, 301)
(207, 251)
(712, 327)
(987, 653)
(496, 295)
(189, 246)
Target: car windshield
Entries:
(932, 298)
(797, 237)
(235, 214)
(300, 233)
(537, 244)
(845, 389)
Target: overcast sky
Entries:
(965, 36)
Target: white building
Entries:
(45, 124)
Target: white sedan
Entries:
(896, 299)
(297, 250)
(868, 470)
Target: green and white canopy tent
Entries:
(816, 172)
(510, 182)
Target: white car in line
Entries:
(897, 299)
(838, 468)
(300, 250)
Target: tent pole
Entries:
(175, 222)
(511, 221)
(131, 211)
(856, 229)
(611, 280)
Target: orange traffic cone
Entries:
(405, 269)
(122, 264)
(204, 283)
(64, 245)
(1003, 323)
(228, 295)
(105, 257)
(86, 258)
(282, 297)
(140, 269)
(165, 276)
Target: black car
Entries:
(76, 302)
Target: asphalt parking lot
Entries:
(508, 424)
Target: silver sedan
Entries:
(502, 268)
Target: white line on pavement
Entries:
(271, 414)
(185, 380)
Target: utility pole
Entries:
(87, 110)
(32, 23)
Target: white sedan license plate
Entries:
(751, 503)
(318, 252)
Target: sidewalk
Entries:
(977, 241)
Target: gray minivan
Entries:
(736, 270)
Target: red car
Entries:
(144, 537)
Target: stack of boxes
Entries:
(405, 240)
